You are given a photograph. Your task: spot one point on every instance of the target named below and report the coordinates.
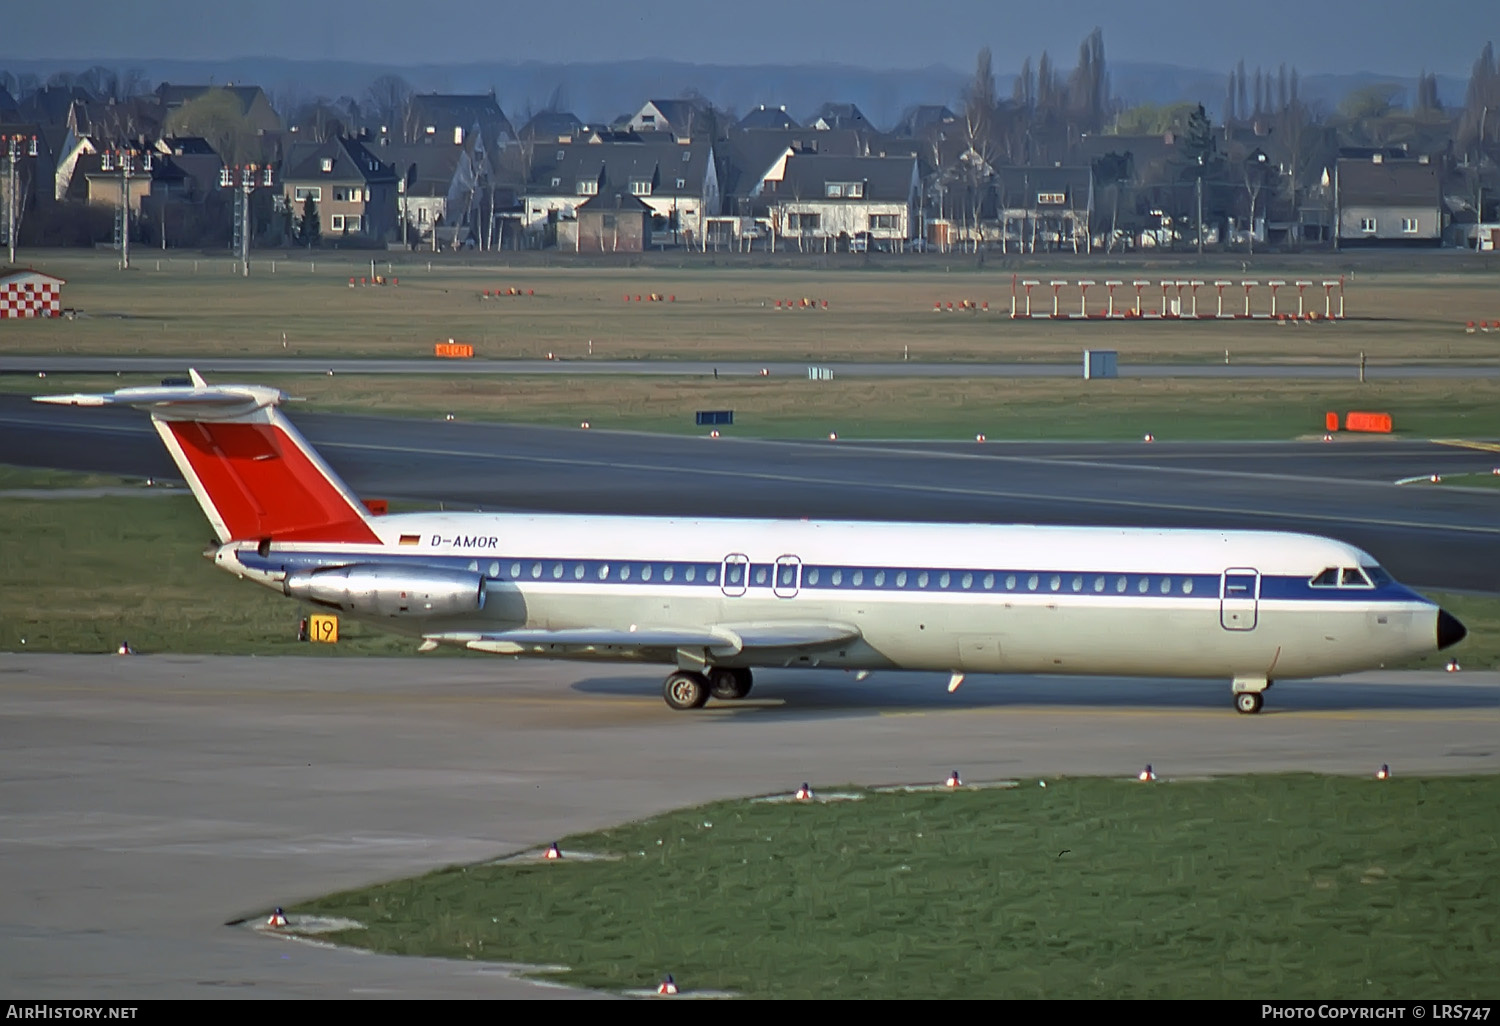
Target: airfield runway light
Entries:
(978, 438)
(124, 649)
(764, 372)
(714, 433)
(954, 780)
(1146, 774)
(833, 436)
(276, 919)
(1148, 437)
(804, 793)
(1453, 666)
(448, 417)
(667, 987)
(1435, 478)
(584, 425)
(1384, 773)
(553, 853)
(1496, 471)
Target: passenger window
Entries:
(603, 571)
(880, 578)
(646, 572)
(1031, 582)
(788, 574)
(837, 578)
(735, 572)
(1010, 582)
(989, 582)
(494, 569)
(1056, 582)
(760, 575)
(859, 578)
(1187, 586)
(515, 570)
(967, 582)
(812, 578)
(625, 572)
(557, 571)
(1120, 585)
(474, 565)
(1327, 579)
(901, 579)
(691, 574)
(536, 570)
(668, 572)
(710, 575)
(1145, 583)
(1078, 584)
(1166, 585)
(1098, 583)
(578, 572)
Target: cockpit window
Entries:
(1378, 576)
(1354, 578)
(1327, 579)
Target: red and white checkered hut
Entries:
(28, 293)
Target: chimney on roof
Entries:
(1423, 159)
(1378, 158)
(458, 135)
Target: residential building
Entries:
(1045, 208)
(615, 221)
(677, 179)
(355, 192)
(764, 117)
(448, 119)
(833, 202)
(1389, 202)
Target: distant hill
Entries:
(599, 92)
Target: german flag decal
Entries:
(411, 539)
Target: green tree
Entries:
(309, 229)
(1372, 101)
(216, 116)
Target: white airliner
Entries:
(716, 597)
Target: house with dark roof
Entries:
(551, 126)
(923, 118)
(1388, 202)
(254, 106)
(832, 202)
(448, 119)
(837, 115)
(679, 117)
(614, 221)
(676, 179)
(763, 117)
(354, 191)
(1045, 208)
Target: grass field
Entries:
(1297, 886)
(1412, 310)
(928, 408)
(84, 574)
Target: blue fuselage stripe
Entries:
(829, 580)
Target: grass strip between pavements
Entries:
(1299, 886)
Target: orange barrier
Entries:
(452, 349)
(1378, 422)
(1330, 421)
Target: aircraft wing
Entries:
(718, 640)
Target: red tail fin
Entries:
(253, 474)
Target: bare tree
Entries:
(386, 101)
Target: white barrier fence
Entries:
(1178, 300)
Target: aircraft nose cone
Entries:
(1449, 630)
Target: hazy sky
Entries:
(1389, 36)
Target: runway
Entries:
(146, 802)
(1433, 537)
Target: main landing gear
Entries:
(1249, 694)
(688, 689)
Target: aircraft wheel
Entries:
(1248, 701)
(686, 690)
(728, 683)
